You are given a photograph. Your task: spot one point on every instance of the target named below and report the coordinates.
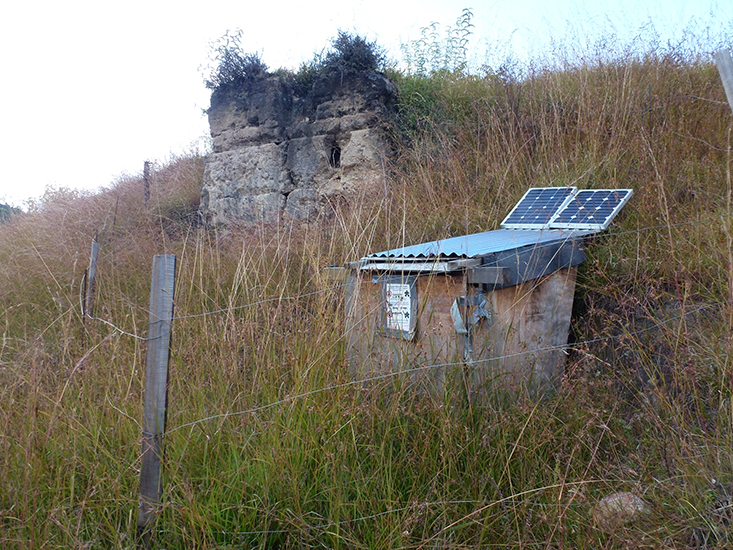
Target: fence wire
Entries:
(419, 506)
(482, 505)
(295, 297)
(564, 348)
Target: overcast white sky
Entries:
(90, 90)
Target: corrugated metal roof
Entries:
(480, 244)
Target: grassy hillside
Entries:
(272, 445)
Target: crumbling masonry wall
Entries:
(277, 155)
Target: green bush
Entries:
(303, 80)
(352, 54)
(349, 54)
(230, 66)
(7, 212)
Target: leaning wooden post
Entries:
(156, 392)
(91, 281)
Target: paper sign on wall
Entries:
(400, 307)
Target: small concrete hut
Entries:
(489, 311)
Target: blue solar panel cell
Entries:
(537, 207)
(566, 208)
(591, 209)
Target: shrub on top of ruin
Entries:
(352, 54)
(229, 66)
(306, 75)
(349, 54)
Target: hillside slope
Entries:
(272, 445)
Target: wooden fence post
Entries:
(156, 392)
(725, 68)
(146, 181)
(91, 276)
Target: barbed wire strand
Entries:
(392, 374)
(384, 376)
(215, 312)
(341, 523)
(118, 329)
(342, 285)
(258, 303)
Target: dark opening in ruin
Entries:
(334, 159)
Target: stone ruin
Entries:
(280, 155)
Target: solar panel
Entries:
(537, 207)
(591, 209)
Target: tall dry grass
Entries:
(272, 445)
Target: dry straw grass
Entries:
(645, 405)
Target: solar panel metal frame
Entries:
(557, 223)
(548, 216)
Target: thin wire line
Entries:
(416, 505)
(562, 347)
(413, 506)
(425, 505)
(330, 288)
(118, 329)
(196, 315)
(264, 301)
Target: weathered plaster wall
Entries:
(279, 155)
